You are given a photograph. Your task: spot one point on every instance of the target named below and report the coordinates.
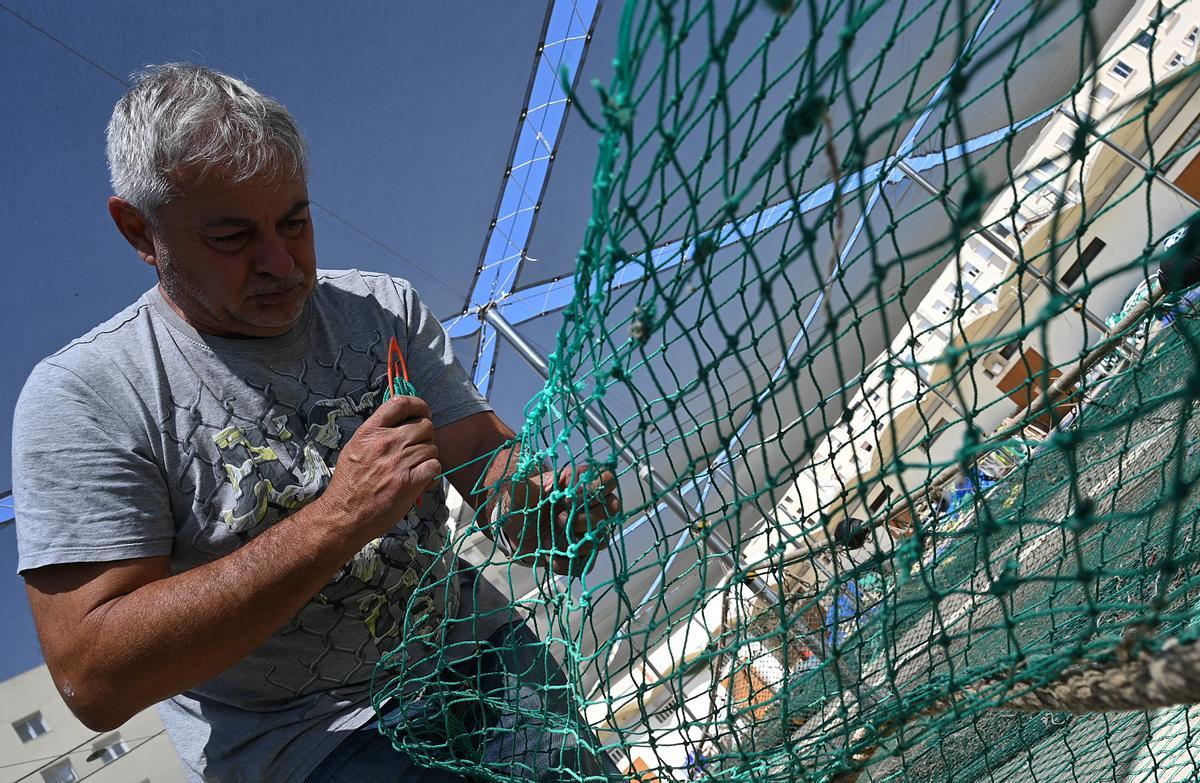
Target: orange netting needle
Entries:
(397, 370)
(395, 359)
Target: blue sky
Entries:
(19, 650)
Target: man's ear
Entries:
(134, 227)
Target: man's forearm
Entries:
(176, 632)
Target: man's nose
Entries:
(274, 257)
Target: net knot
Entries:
(1008, 581)
(804, 119)
(616, 108)
(972, 204)
(706, 245)
(1084, 516)
(642, 325)
(780, 6)
(959, 78)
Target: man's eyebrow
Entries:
(228, 222)
(237, 222)
(301, 205)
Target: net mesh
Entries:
(904, 455)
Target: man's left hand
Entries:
(560, 519)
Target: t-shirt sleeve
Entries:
(432, 367)
(86, 487)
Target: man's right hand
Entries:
(383, 469)
(122, 635)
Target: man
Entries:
(218, 512)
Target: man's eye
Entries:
(229, 239)
(295, 226)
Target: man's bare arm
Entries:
(121, 636)
(466, 447)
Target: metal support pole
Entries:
(668, 495)
(949, 402)
(1131, 158)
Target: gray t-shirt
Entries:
(146, 438)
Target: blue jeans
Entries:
(506, 714)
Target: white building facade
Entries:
(982, 285)
(42, 742)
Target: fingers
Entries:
(598, 496)
(567, 533)
(419, 431)
(398, 410)
(587, 530)
(589, 518)
(591, 504)
(570, 566)
(605, 482)
(567, 544)
(427, 470)
(403, 422)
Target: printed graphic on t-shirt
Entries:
(268, 468)
(392, 589)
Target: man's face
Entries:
(237, 259)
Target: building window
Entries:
(970, 270)
(1167, 21)
(1175, 61)
(31, 727)
(1145, 39)
(1052, 193)
(1029, 218)
(1064, 141)
(62, 772)
(1045, 171)
(1122, 70)
(1105, 95)
(109, 749)
(1075, 271)
(1191, 37)
(993, 370)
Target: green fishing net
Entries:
(904, 455)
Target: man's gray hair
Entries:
(180, 114)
